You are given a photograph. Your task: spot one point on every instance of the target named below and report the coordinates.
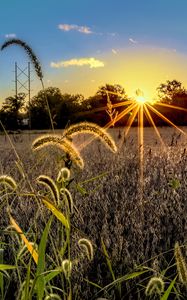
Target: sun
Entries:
(139, 97)
(138, 107)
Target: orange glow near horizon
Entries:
(143, 67)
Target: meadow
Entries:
(129, 239)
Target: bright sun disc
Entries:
(140, 99)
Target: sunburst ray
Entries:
(129, 123)
(171, 106)
(151, 121)
(109, 124)
(164, 118)
(139, 106)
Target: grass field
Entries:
(106, 194)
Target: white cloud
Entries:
(10, 35)
(68, 27)
(79, 62)
(133, 41)
(112, 34)
(49, 81)
(114, 51)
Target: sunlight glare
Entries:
(139, 97)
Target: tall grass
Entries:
(76, 263)
(71, 232)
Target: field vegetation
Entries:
(128, 237)
(76, 220)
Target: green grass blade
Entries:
(58, 214)
(40, 285)
(6, 267)
(1, 275)
(27, 282)
(94, 178)
(121, 279)
(168, 291)
(131, 275)
(107, 259)
(52, 274)
(93, 283)
(124, 278)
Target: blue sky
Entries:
(83, 44)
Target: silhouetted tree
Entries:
(173, 93)
(63, 108)
(115, 91)
(170, 91)
(10, 112)
(106, 94)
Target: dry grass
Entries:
(110, 207)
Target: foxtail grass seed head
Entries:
(86, 247)
(67, 268)
(63, 175)
(50, 184)
(181, 264)
(29, 52)
(68, 198)
(88, 127)
(8, 181)
(154, 286)
(45, 140)
(62, 144)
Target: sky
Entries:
(85, 44)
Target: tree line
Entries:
(16, 113)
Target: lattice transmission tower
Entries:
(23, 84)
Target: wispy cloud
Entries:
(112, 34)
(114, 51)
(78, 62)
(133, 41)
(82, 29)
(49, 81)
(10, 35)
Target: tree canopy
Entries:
(10, 113)
(66, 108)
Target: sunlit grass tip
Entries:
(30, 248)
(67, 268)
(61, 143)
(68, 198)
(23, 251)
(50, 184)
(8, 181)
(87, 247)
(63, 175)
(155, 286)
(30, 53)
(88, 127)
(181, 264)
